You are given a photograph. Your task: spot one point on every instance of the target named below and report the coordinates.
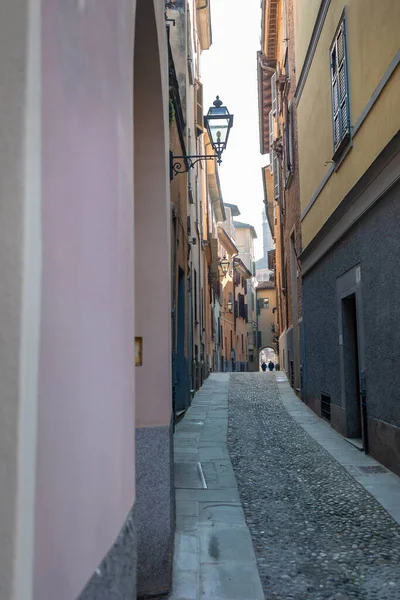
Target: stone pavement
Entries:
(214, 557)
(317, 518)
(378, 481)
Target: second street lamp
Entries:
(224, 264)
(218, 122)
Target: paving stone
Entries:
(218, 583)
(317, 533)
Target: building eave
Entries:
(203, 15)
(267, 60)
(240, 225)
(226, 241)
(246, 273)
(214, 187)
(269, 202)
(233, 208)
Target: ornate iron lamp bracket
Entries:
(182, 164)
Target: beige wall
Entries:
(83, 448)
(305, 14)
(365, 23)
(152, 214)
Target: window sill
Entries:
(289, 180)
(342, 149)
(346, 149)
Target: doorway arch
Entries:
(153, 394)
(266, 354)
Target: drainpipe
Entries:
(363, 394)
(173, 311)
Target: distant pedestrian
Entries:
(264, 366)
(271, 365)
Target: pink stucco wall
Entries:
(85, 455)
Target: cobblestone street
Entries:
(317, 533)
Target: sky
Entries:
(229, 69)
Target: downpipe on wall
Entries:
(173, 309)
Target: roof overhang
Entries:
(268, 186)
(226, 241)
(203, 15)
(214, 185)
(266, 60)
(264, 73)
(235, 212)
(242, 267)
(240, 225)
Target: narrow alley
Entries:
(322, 516)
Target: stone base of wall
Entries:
(155, 510)
(314, 404)
(383, 438)
(116, 575)
(338, 419)
(384, 443)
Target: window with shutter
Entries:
(276, 176)
(271, 139)
(273, 93)
(199, 109)
(288, 149)
(340, 91)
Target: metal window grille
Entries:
(326, 406)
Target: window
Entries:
(340, 91)
(289, 159)
(276, 176)
(263, 303)
(273, 93)
(242, 343)
(271, 140)
(199, 109)
(195, 296)
(231, 340)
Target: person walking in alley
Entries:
(264, 366)
(271, 365)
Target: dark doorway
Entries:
(182, 399)
(351, 368)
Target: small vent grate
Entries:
(373, 470)
(326, 407)
(355, 470)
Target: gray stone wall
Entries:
(374, 243)
(115, 577)
(155, 510)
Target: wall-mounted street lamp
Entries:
(229, 306)
(218, 122)
(224, 264)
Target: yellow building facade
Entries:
(347, 97)
(372, 42)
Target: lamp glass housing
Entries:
(224, 264)
(218, 122)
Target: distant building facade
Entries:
(266, 318)
(278, 137)
(245, 236)
(263, 270)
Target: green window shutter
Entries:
(340, 89)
